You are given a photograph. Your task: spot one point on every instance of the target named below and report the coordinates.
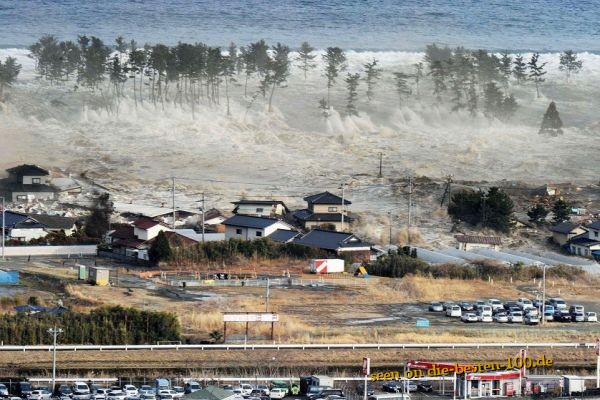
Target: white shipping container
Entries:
(326, 266)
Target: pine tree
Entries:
(418, 76)
(98, 222)
(160, 249)
(438, 74)
(509, 106)
(561, 211)
(506, 63)
(9, 71)
(401, 84)
(335, 62)
(372, 74)
(458, 100)
(520, 69)
(537, 214)
(472, 99)
(324, 107)
(551, 123)
(492, 100)
(569, 63)
(536, 72)
(279, 69)
(306, 58)
(352, 85)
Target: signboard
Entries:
(250, 317)
(366, 366)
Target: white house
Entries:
(260, 208)
(248, 227)
(470, 242)
(146, 229)
(28, 182)
(587, 244)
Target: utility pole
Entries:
(343, 186)
(484, 197)
(380, 165)
(410, 189)
(203, 210)
(3, 227)
(267, 296)
(544, 296)
(173, 193)
(390, 217)
(54, 332)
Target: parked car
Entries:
(524, 303)
(278, 393)
(577, 317)
(510, 304)
(515, 317)
(165, 396)
(501, 317)
(39, 395)
(3, 390)
(179, 392)
(360, 389)
(591, 316)
(100, 394)
(562, 315)
(486, 310)
(549, 307)
(531, 319)
(424, 386)
(558, 303)
(146, 389)
(549, 316)
(495, 304)
(484, 316)
(537, 303)
(192, 387)
(436, 306)
(263, 388)
(130, 391)
(148, 396)
(116, 395)
(576, 308)
(479, 304)
(63, 391)
(391, 387)
(447, 304)
(323, 393)
(469, 317)
(454, 311)
(466, 306)
(246, 388)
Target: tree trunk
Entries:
(271, 97)
(227, 95)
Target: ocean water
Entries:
(377, 25)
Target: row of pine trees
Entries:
(193, 74)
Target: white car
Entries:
(524, 303)
(278, 393)
(515, 317)
(531, 319)
(454, 311)
(179, 391)
(130, 391)
(495, 304)
(116, 394)
(146, 390)
(469, 317)
(264, 389)
(501, 318)
(558, 303)
(484, 317)
(246, 388)
(39, 395)
(3, 390)
(591, 316)
(100, 394)
(165, 396)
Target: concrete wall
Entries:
(24, 251)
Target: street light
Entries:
(54, 332)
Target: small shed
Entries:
(99, 276)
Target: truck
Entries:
(573, 385)
(326, 266)
(314, 383)
(161, 384)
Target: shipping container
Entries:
(99, 276)
(326, 266)
(9, 277)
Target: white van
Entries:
(454, 311)
(486, 310)
(390, 396)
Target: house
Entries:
(22, 228)
(284, 236)
(587, 244)
(564, 232)
(198, 237)
(162, 214)
(145, 228)
(324, 210)
(28, 182)
(213, 218)
(260, 208)
(248, 227)
(339, 243)
(55, 223)
(470, 242)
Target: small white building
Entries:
(587, 244)
(470, 242)
(249, 228)
(260, 208)
(146, 229)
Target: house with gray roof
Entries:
(587, 244)
(339, 243)
(260, 208)
(28, 182)
(324, 210)
(565, 231)
(249, 227)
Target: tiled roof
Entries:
(282, 235)
(145, 223)
(28, 170)
(54, 221)
(325, 198)
(330, 240)
(594, 225)
(495, 240)
(564, 227)
(123, 232)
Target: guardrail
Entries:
(310, 346)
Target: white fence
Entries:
(24, 251)
(310, 346)
(273, 282)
